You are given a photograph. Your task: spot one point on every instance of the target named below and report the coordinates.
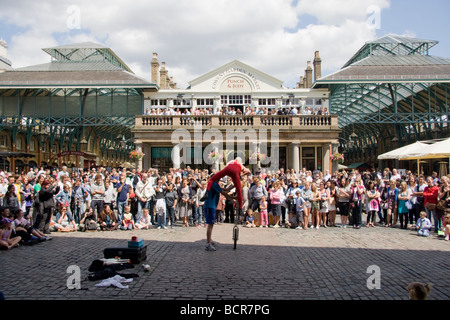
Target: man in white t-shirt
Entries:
(395, 175)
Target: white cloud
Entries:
(196, 36)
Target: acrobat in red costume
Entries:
(232, 170)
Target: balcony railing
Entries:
(298, 122)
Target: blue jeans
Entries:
(200, 215)
(78, 212)
(120, 209)
(170, 215)
(162, 218)
(436, 219)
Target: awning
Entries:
(359, 166)
(10, 154)
(410, 149)
(437, 150)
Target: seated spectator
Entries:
(144, 222)
(89, 223)
(20, 223)
(128, 221)
(107, 219)
(6, 229)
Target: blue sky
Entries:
(425, 19)
(196, 36)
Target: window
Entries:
(224, 99)
(32, 145)
(3, 141)
(205, 102)
(236, 99)
(247, 99)
(19, 144)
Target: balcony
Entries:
(288, 122)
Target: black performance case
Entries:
(136, 255)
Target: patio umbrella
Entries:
(397, 154)
(438, 150)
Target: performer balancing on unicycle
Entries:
(234, 169)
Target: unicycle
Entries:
(236, 229)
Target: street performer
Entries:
(233, 169)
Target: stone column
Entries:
(326, 158)
(295, 158)
(176, 159)
(335, 164)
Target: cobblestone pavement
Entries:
(268, 264)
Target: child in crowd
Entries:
(264, 215)
(250, 220)
(144, 222)
(128, 222)
(6, 242)
(423, 225)
(220, 208)
(447, 226)
(299, 205)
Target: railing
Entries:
(160, 122)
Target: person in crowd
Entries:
(127, 221)
(357, 192)
(430, 194)
(185, 201)
(423, 225)
(332, 209)
(45, 206)
(10, 199)
(160, 204)
(418, 291)
(315, 209)
(107, 219)
(97, 194)
(123, 195)
(307, 195)
(6, 229)
(391, 201)
(144, 222)
(404, 204)
(276, 197)
(144, 193)
(263, 213)
(373, 203)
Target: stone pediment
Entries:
(235, 77)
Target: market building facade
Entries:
(236, 110)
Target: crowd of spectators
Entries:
(41, 201)
(233, 111)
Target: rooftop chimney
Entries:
(163, 76)
(155, 68)
(308, 75)
(317, 66)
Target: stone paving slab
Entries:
(268, 264)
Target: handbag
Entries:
(441, 205)
(430, 206)
(409, 205)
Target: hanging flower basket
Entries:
(136, 155)
(215, 156)
(257, 156)
(337, 157)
